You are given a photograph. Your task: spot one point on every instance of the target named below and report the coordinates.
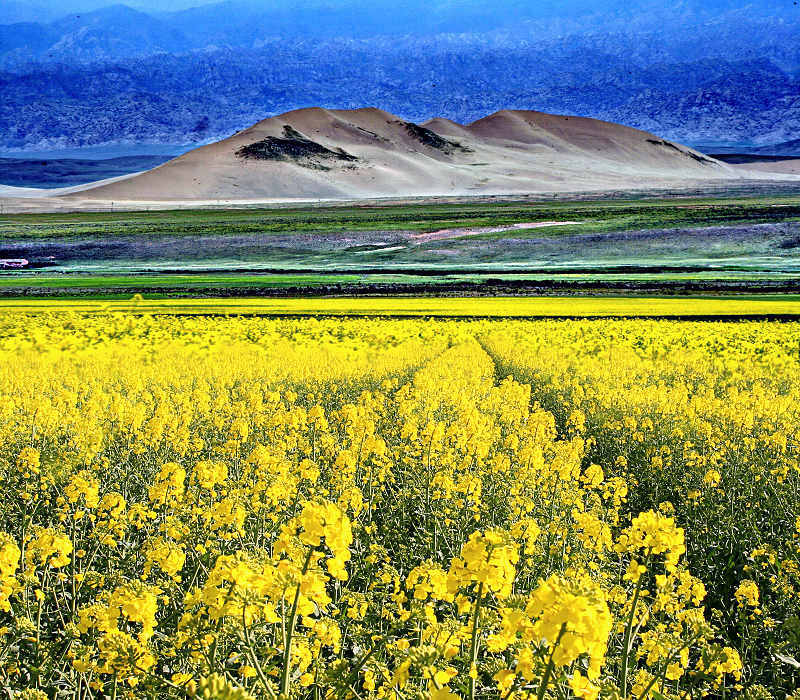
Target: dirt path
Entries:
(447, 233)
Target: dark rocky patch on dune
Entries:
(668, 144)
(294, 147)
(431, 139)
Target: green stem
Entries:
(38, 638)
(161, 679)
(253, 656)
(626, 640)
(290, 631)
(360, 663)
(473, 650)
(662, 675)
(549, 670)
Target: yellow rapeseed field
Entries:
(232, 508)
(510, 307)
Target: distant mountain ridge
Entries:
(787, 148)
(696, 72)
(108, 34)
(118, 31)
(66, 172)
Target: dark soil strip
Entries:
(483, 288)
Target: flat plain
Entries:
(666, 245)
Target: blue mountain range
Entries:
(706, 73)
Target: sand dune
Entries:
(790, 166)
(367, 153)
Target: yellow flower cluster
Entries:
(318, 521)
(374, 509)
(9, 562)
(488, 558)
(654, 533)
(572, 618)
(47, 547)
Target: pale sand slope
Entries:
(778, 167)
(509, 152)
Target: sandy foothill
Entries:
(790, 166)
(317, 155)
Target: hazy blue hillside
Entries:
(117, 31)
(43, 11)
(65, 172)
(713, 71)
